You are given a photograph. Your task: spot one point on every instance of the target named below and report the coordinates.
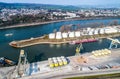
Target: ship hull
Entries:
(83, 41)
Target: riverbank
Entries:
(105, 76)
(48, 22)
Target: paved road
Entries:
(67, 71)
(61, 75)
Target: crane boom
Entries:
(78, 48)
(114, 40)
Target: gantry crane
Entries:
(114, 43)
(21, 69)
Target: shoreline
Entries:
(45, 39)
(48, 22)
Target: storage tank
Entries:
(58, 35)
(88, 29)
(102, 31)
(55, 62)
(64, 35)
(96, 31)
(51, 63)
(110, 30)
(85, 32)
(52, 36)
(64, 61)
(77, 33)
(54, 58)
(60, 61)
(62, 57)
(71, 34)
(91, 32)
(49, 59)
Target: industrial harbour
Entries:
(59, 39)
(96, 62)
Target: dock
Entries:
(68, 37)
(85, 64)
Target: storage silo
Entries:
(60, 61)
(58, 35)
(71, 34)
(52, 36)
(65, 35)
(55, 62)
(77, 33)
(51, 63)
(102, 31)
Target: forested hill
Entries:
(36, 6)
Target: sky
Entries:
(66, 2)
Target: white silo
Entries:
(64, 35)
(71, 34)
(77, 33)
(52, 36)
(58, 35)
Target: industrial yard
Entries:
(85, 64)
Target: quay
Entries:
(67, 37)
(106, 62)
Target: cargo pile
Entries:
(57, 61)
(102, 52)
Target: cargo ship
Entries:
(83, 35)
(9, 34)
(83, 41)
(4, 61)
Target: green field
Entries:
(107, 76)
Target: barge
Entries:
(4, 61)
(83, 35)
(83, 41)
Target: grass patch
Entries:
(106, 76)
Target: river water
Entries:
(42, 52)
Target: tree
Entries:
(62, 29)
(115, 22)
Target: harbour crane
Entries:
(78, 48)
(114, 43)
(21, 69)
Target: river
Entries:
(42, 52)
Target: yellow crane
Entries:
(78, 48)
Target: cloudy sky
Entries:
(66, 2)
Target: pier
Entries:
(92, 34)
